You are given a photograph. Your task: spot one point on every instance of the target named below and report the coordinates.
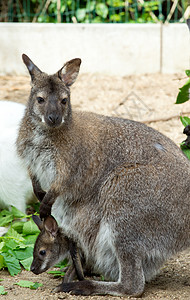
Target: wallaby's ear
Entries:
(38, 222)
(32, 68)
(51, 226)
(70, 70)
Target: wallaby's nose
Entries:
(53, 118)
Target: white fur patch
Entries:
(44, 264)
(105, 254)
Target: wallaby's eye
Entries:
(40, 100)
(42, 252)
(64, 101)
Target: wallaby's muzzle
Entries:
(34, 269)
(53, 119)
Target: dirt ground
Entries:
(146, 98)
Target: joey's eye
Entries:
(64, 101)
(40, 100)
(42, 252)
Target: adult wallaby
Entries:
(120, 189)
(51, 247)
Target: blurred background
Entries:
(91, 11)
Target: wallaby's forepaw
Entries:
(84, 287)
(45, 210)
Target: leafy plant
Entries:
(60, 272)
(184, 91)
(2, 290)
(85, 11)
(16, 246)
(29, 284)
(183, 96)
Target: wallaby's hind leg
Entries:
(131, 281)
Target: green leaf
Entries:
(102, 10)
(80, 14)
(90, 6)
(17, 213)
(30, 228)
(36, 286)
(23, 254)
(2, 290)
(12, 264)
(62, 264)
(184, 93)
(11, 233)
(1, 262)
(31, 239)
(186, 151)
(27, 263)
(187, 73)
(2, 245)
(5, 217)
(185, 121)
(12, 244)
(29, 284)
(57, 273)
(18, 226)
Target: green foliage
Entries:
(60, 272)
(184, 91)
(29, 284)
(16, 246)
(2, 290)
(85, 11)
(185, 121)
(183, 96)
(184, 147)
(116, 11)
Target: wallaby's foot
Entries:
(89, 287)
(76, 288)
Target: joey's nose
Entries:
(32, 268)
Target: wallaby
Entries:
(118, 188)
(15, 184)
(51, 247)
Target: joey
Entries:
(51, 247)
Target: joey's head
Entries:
(51, 245)
(49, 103)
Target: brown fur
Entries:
(120, 189)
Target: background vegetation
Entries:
(94, 11)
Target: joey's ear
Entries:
(32, 68)
(51, 226)
(70, 70)
(38, 222)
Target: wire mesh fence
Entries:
(91, 11)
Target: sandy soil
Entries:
(147, 98)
